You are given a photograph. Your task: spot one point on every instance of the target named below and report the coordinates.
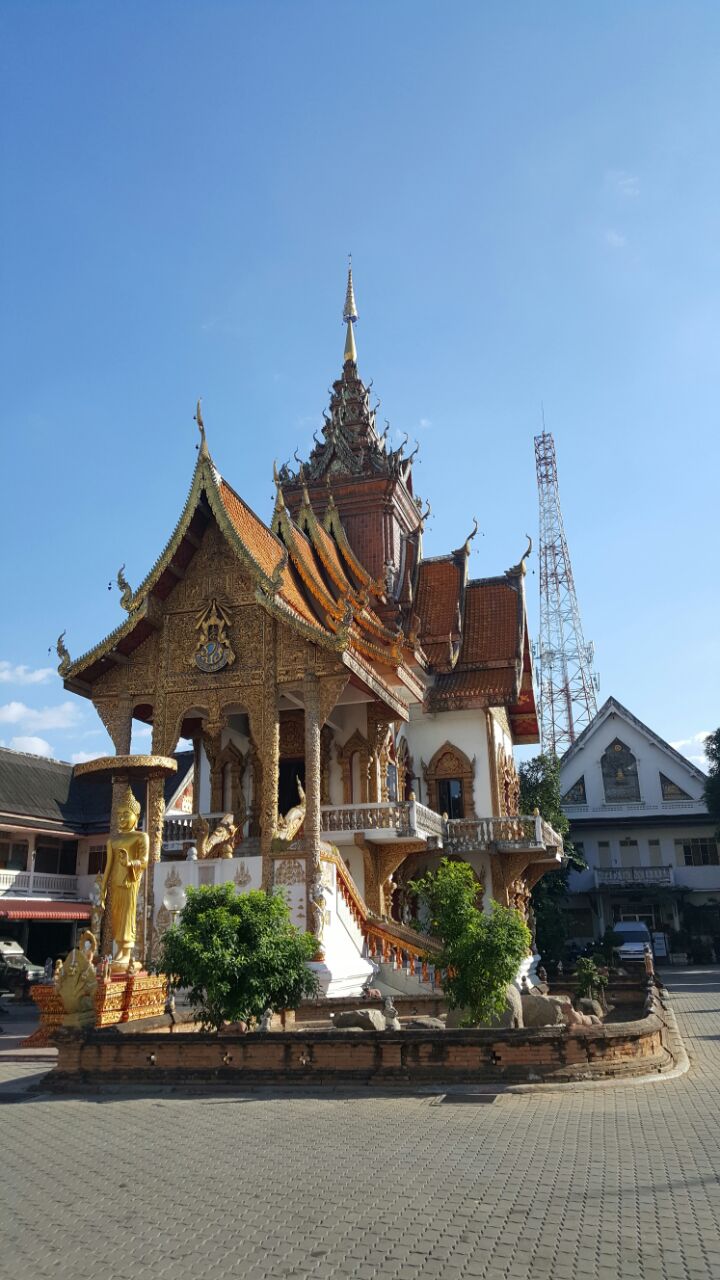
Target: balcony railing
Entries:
(28, 884)
(633, 877)
(468, 835)
(403, 819)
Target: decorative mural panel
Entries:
(619, 774)
(576, 794)
(671, 790)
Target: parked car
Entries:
(15, 968)
(634, 940)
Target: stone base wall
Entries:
(320, 1057)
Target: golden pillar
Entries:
(269, 757)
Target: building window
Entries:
(629, 853)
(450, 797)
(697, 852)
(654, 847)
(450, 778)
(619, 774)
(13, 855)
(576, 794)
(603, 853)
(96, 859)
(56, 857)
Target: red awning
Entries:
(32, 909)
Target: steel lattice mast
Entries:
(567, 682)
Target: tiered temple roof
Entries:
(342, 562)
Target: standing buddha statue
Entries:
(128, 852)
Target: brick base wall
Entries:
(318, 1057)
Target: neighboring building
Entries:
(636, 810)
(53, 832)
(53, 829)
(325, 649)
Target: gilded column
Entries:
(313, 723)
(270, 757)
(154, 826)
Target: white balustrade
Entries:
(468, 835)
(38, 884)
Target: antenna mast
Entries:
(567, 682)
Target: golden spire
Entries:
(350, 316)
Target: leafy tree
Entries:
(540, 789)
(238, 954)
(712, 786)
(481, 951)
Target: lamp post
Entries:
(174, 900)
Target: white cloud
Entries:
(10, 673)
(142, 731)
(184, 744)
(626, 184)
(696, 740)
(79, 757)
(63, 716)
(425, 424)
(700, 762)
(615, 239)
(36, 746)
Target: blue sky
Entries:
(531, 195)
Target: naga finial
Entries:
(125, 588)
(521, 567)
(63, 655)
(303, 480)
(426, 513)
(470, 536)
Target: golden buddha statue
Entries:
(128, 852)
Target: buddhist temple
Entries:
(353, 705)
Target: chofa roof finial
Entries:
(279, 500)
(197, 416)
(521, 567)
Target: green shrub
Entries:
(590, 982)
(238, 954)
(481, 951)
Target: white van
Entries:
(14, 962)
(633, 940)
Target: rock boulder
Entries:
(360, 1020)
(541, 1011)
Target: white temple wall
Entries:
(425, 733)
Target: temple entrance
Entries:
(290, 771)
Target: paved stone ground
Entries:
(586, 1182)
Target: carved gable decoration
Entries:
(671, 790)
(213, 651)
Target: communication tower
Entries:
(567, 682)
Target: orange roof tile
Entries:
(262, 544)
(493, 684)
(437, 603)
(492, 630)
